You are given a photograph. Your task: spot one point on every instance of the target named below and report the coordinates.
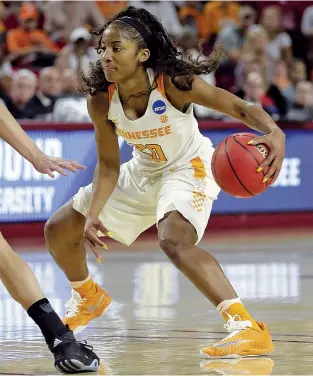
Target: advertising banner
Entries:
(26, 195)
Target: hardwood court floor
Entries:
(159, 321)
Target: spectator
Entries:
(298, 71)
(255, 92)
(110, 8)
(307, 30)
(191, 15)
(78, 54)
(24, 85)
(292, 11)
(6, 73)
(279, 46)
(29, 42)
(302, 109)
(10, 14)
(253, 52)
(165, 12)
(232, 37)
(218, 14)
(247, 66)
(70, 83)
(5, 85)
(282, 80)
(61, 63)
(272, 91)
(307, 22)
(50, 88)
(71, 110)
(189, 44)
(5, 64)
(62, 17)
(256, 43)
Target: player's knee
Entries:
(64, 227)
(52, 230)
(171, 246)
(176, 235)
(174, 243)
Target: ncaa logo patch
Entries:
(159, 107)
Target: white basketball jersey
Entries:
(163, 137)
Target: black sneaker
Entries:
(72, 356)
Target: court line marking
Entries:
(198, 331)
(114, 336)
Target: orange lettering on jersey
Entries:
(155, 151)
(120, 132)
(138, 135)
(130, 135)
(168, 129)
(161, 132)
(140, 147)
(154, 133)
(147, 133)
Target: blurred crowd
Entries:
(44, 45)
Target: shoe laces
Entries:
(85, 344)
(234, 325)
(73, 304)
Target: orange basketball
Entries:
(235, 163)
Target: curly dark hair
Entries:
(164, 56)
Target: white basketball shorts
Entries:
(139, 202)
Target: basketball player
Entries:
(142, 90)
(70, 355)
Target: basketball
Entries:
(235, 163)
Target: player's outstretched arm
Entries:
(250, 114)
(107, 170)
(12, 133)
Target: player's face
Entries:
(120, 57)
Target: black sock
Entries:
(48, 321)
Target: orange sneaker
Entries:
(234, 367)
(242, 341)
(80, 311)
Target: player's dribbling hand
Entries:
(91, 239)
(47, 165)
(276, 142)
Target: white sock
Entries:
(77, 284)
(222, 307)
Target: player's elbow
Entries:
(242, 109)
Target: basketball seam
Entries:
(249, 153)
(231, 166)
(246, 149)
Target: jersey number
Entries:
(156, 151)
